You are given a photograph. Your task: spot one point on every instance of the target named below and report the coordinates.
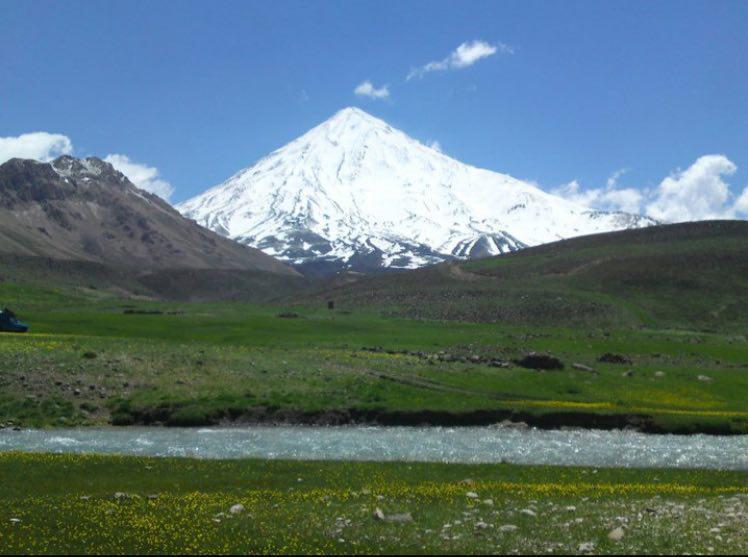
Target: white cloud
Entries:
(366, 89)
(741, 205)
(145, 177)
(608, 198)
(698, 193)
(612, 181)
(435, 145)
(627, 200)
(571, 191)
(41, 146)
(467, 54)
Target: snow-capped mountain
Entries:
(355, 193)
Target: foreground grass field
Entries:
(90, 360)
(97, 504)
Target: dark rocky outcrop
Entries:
(610, 358)
(540, 361)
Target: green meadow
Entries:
(104, 504)
(91, 358)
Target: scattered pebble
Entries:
(616, 534)
(399, 518)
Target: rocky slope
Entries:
(85, 210)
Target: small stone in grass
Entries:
(237, 509)
(616, 534)
(400, 518)
(471, 495)
(508, 528)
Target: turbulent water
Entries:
(431, 444)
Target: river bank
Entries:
(263, 415)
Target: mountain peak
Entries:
(355, 193)
(348, 122)
(67, 165)
(353, 112)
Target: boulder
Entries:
(397, 518)
(616, 534)
(582, 367)
(288, 315)
(534, 360)
(237, 509)
(611, 358)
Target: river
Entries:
(428, 444)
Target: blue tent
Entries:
(9, 323)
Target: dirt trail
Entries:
(429, 384)
(456, 271)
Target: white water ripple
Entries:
(428, 444)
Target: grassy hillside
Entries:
(98, 354)
(28, 281)
(692, 275)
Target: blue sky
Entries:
(575, 91)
